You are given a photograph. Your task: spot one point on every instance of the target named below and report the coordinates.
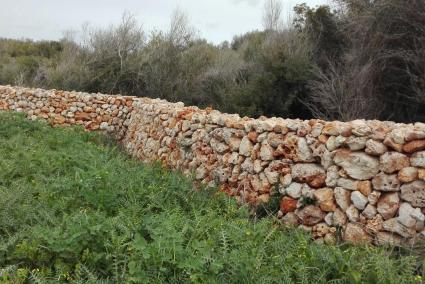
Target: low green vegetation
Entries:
(75, 209)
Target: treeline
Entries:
(356, 59)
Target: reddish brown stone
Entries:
(252, 136)
(59, 119)
(82, 116)
(414, 146)
(288, 204)
(365, 187)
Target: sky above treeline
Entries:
(215, 20)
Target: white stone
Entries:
(334, 142)
(359, 200)
(104, 126)
(373, 197)
(266, 152)
(360, 128)
(393, 225)
(294, 190)
(414, 193)
(418, 159)
(357, 165)
(246, 146)
(347, 183)
(409, 216)
(332, 176)
(352, 214)
(356, 143)
(393, 161)
(342, 197)
(369, 212)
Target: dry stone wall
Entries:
(363, 181)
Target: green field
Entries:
(75, 209)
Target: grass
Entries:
(75, 209)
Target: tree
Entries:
(271, 15)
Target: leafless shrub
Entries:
(342, 94)
(272, 15)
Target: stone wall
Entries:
(363, 181)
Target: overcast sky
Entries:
(216, 20)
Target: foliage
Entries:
(75, 209)
(370, 57)
(358, 59)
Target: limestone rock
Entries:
(360, 128)
(246, 147)
(393, 161)
(408, 174)
(304, 153)
(329, 218)
(356, 234)
(374, 225)
(294, 190)
(385, 238)
(365, 187)
(418, 159)
(339, 219)
(393, 145)
(356, 143)
(307, 192)
(357, 165)
(414, 193)
(286, 180)
(369, 212)
(414, 146)
(386, 182)
(375, 148)
(320, 230)
(347, 183)
(331, 176)
(234, 143)
(325, 199)
(388, 205)
(342, 197)
(290, 219)
(394, 226)
(335, 142)
(352, 213)
(415, 135)
(312, 174)
(331, 128)
(310, 215)
(373, 197)
(218, 147)
(266, 152)
(359, 200)
(409, 216)
(421, 174)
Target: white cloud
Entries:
(217, 20)
(249, 2)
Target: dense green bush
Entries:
(75, 209)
